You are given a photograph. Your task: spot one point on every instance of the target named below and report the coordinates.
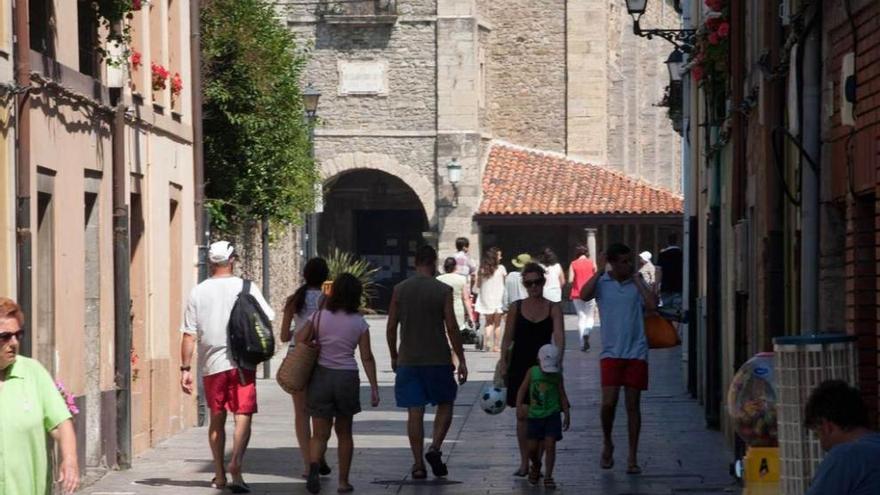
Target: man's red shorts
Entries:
(632, 373)
(224, 391)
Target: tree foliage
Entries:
(257, 159)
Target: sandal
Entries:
(324, 470)
(419, 473)
(217, 485)
(521, 473)
(633, 469)
(241, 487)
(607, 461)
(345, 489)
(549, 483)
(534, 474)
(434, 458)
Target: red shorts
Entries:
(224, 392)
(632, 373)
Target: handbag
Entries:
(660, 333)
(297, 367)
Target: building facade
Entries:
(71, 169)
(7, 153)
(408, 86)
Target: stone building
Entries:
(407, 86)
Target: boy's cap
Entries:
(220, 252)
(548, 358)
(645, 255)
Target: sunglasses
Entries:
(533, 283)
(7, 336)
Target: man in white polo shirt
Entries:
(622, 297)
(227, 389)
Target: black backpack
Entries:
(251, 340)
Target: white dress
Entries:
(490, 300)
(552, 289)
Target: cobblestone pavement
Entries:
(677, 453)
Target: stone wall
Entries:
(527, 73)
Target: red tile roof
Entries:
(523, 182)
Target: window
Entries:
(87, 30)
(39, 14)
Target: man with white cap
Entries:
(227, 389)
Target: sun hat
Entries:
(548, 358)
(645, 255)
(220, 252)
(521, 260)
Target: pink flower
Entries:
(715, 5)
(712, 23)
(697, 72)
(714, 38)
(136, 5)
(135, 59)
(160, 75)
(724, 30)
(176, 84)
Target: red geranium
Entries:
(160, 75)
(135, 59)
(176, 84)
(136, 5)
(723, 30)
(697, 72)
(713, 38)
(712, 23)
(715, 5)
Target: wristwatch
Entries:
(185, 368)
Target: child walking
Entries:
(544, 387)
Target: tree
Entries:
(257, 159)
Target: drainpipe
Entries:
(201, 213)
(811, 71)
(24, 171)
(121, 281)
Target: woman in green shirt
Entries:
(30, 406)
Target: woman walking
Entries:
(555, 275)
(580, 271)
(531, 323)
(31, 407)
(461, 302)
(334, 389)
(490, 300)
(297, 310)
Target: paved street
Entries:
(678, 455)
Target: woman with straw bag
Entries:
(295, 371)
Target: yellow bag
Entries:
(660, 333)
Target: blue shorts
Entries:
(418, 386)
(541, 428)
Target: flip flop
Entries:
(239, 487)
(313, 485)
(345, 489)
(419, 473)
(607, 462)
(434, 458)
(519, 473)
(549, 483)
(218, 486)
(534, 474)
(633, 469)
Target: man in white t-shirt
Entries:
(226, 387)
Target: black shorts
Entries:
(333, 393)
(548, 427)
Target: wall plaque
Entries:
(363, 77)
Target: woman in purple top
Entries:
(334, 390)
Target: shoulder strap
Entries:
(246, 288)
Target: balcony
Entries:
(358, 12)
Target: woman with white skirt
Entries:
(555, 275)
(490, 300)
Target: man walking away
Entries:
(421, 306)
(464, 265)
(227, 388)
(668, 277)
(837, 415)
(580, 271)
(623, 297)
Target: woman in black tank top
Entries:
(532, 322)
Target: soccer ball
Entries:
(493, 399)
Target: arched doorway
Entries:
(377, 217)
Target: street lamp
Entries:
(310, 96)
(674, 63)
(453, 174)
(310, 100)
(683, 39)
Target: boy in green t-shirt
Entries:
(546, 398)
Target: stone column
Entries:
(591, 242)
(587, 94)
(458, 134)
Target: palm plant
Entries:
(342, 262)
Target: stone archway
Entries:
(346, 162)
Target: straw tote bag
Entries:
(296, 369)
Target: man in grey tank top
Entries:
(422, 306)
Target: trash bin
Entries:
(802, 363)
